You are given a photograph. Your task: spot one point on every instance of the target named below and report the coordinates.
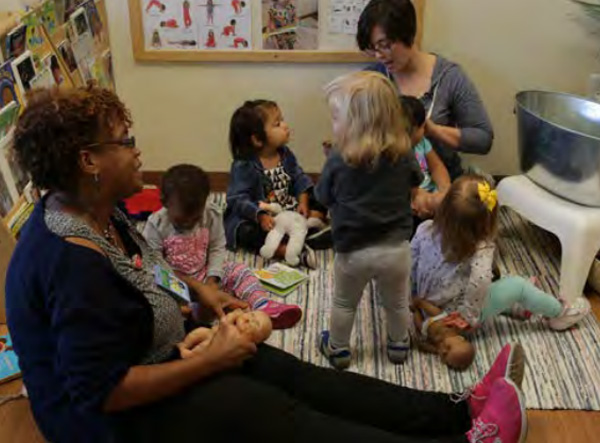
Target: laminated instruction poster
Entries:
(197, 24)
(344, 15)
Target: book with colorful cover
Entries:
(16, 42)
(280, 279)
(20, 217)
(8, 117)
(169, 281)
(8, 90)
(9, 363)
(6, 199)
(280, 292)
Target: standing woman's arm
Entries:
(472, 132)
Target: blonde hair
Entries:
(371, 116)
(463, 220)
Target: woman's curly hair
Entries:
(57, 124)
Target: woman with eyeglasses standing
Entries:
(457, 120)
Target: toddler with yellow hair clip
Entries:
(452, 264)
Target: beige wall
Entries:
(182, 111)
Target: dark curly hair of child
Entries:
(188, 185)
(249, 121)
(57, 124)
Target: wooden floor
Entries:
(17, 425)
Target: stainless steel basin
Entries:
(559, 144)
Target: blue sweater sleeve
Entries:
(300, 181)
(101, 325)
(241, 194)
(324, 189)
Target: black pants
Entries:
(277, 398)
(250, 237)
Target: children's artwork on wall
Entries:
(66, 52)
(48, 16)
(197, 24)
(284, 28)
(16, 42)
(24, 71)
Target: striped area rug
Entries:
(562, 368)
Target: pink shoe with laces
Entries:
(509, 364)
(504, 419)
(282, 316)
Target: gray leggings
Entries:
(389, 265)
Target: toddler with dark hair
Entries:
(436, 181)
(265, 170)
(190, 234)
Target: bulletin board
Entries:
(303, 31)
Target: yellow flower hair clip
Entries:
(488, 196)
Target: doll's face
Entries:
(255, 324)
(457, 352)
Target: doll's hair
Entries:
(461, 357)
(463, 220)
(371, 116)
(188, 185)
(247, 121)
(414, 110)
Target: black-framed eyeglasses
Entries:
(128, 142)
(382, 46)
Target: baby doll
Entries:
(256, 325)
(440, 334)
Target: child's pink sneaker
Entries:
(510, 364)
(503, 420)
(283, 316)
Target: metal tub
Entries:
(559, 144)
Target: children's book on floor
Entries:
(9, 364)
(280, 279)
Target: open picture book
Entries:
(280, 279)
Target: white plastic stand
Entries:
(577, 227)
